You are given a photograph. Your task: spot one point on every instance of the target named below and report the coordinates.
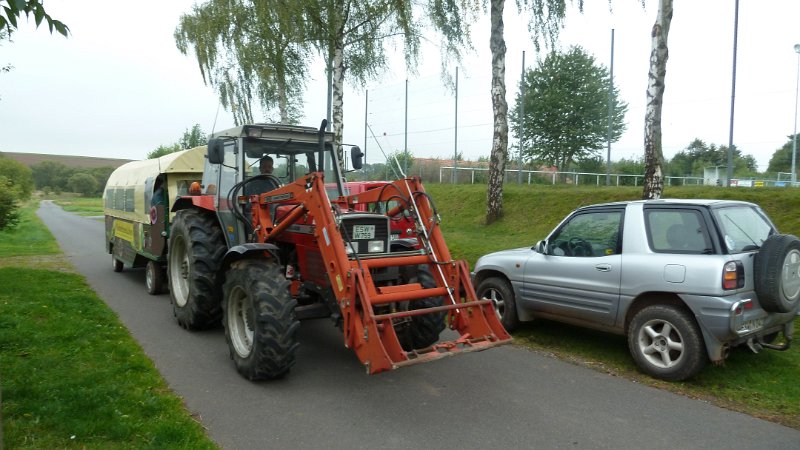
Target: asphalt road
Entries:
(502, 398)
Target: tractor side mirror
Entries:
(216, 151)
(356, 156)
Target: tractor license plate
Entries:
(363, 231)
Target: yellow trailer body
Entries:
(137, 200)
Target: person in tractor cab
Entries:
(266, 165)
(265, 181)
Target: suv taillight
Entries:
(733, 275)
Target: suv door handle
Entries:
(603, 267)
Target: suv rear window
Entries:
(677, 231)
(743, 227)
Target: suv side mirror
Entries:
(355, 157)
(216, 151)
(541, 247)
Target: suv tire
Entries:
(666, 343)
(499, 291)
(777, 273)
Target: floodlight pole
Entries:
(794, 136)
(733, 93)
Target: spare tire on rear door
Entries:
(777, 280)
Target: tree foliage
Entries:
(83, 184)
(12, 10)
(566, 105)
(55, 176)
(16, 184)
(248, 50)
(190, 139)
(18, 175)
(698, 156)
(194, 137)
(9, 206)
(781, 160)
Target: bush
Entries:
(17, 175)
(83, 184)
(9, 206)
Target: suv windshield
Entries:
(743, 227)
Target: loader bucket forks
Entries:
(372, 335)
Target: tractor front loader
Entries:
(370, 309)
(373, 260)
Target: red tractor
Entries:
(262, 251)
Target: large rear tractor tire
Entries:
(259, 319)
(196, 248)
(424, 329)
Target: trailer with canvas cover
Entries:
(136, 204)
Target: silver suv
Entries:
(684, 280)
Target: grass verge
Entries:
(82, 206)
(71, 374)
(763, 385)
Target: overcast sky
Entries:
(118, 86)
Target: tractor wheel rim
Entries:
(240, 322)
(179, 272)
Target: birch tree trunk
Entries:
(497, 166)
(338, 99)
(653, 155)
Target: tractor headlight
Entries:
(375, 247)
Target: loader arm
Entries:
(372, 335)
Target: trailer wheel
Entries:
(154, 278)
(116, 265)
(196, 247)
(259, 319)
(425, 329)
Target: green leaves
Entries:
(14, 8)
(566, 109)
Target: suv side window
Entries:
(677, 231)
(594, 233)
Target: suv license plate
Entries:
(363, 231)
(751, 325)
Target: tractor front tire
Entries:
(259, 319)
(425, 328)
(196, 248)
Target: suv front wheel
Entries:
(666, 343)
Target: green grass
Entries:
(530, 212)
(29, 237)
(82, 206)
(71, 374)
(764, 385)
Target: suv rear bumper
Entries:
(734, 320)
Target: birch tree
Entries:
(247, 49)
(352, 36)
(547, 18)
(653, 154)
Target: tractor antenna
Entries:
(387, 157)
(214, 126)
